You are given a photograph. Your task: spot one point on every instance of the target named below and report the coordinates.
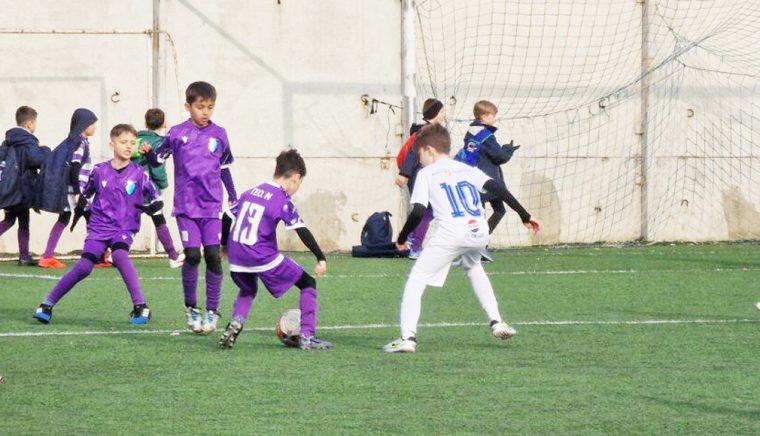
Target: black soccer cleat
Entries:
(230, 334)
(140, 314)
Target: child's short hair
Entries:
(154, 118)
(288, 163)
(435, 136)
(122, 128)
(484, 107)
(431, 108)
(24, 114)
(203, 90)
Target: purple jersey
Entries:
(199, 156)
(117, 197)
(252, 243)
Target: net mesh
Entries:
(635, 120)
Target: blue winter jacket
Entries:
(492, 155)
(55, 174)
(29, 159)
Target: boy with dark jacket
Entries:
(20, 158)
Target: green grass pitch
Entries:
(605, 371)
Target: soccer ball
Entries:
(289, 327)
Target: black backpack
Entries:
(10, 171)
(377, 238)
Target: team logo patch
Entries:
(473, 226)
(184, 139)
(213, 144)
(130, 187)
(104, 183)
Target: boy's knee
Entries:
(64, 218)
(306, 281)
(193, 256)
(120, 246)
(213, 258)
(158, 220)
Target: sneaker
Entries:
(194, 319)
(178, 262)
(50, 262)
(106, 261)
(314, 343)
(44, 313)
(210, 321)
(401, 345)
(140, 314)
(485, 256)
(230, 334)
(502, 330)
(27, 261)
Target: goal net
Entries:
(636, 119)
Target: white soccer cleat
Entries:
(502, 330)
(401, 346)
(176, 263)
(757, 306)
(194, 319)
(210, 321)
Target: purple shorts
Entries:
(195, 232)
(98, 247)
(277, 280)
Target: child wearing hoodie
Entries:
(20, 159)
(65, 175)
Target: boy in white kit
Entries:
(453, 191)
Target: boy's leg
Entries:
(247, 283)
(418, 234)
(498, 213)
(481, 285)
(91, 252)
(162, 231)
(8, 221)
(55, 233)
(211, 230)
(308, 304)
(120, 257)
(191, 241)
(23, 233)
(430, 269)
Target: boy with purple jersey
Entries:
(118, 189)
(201, 165)
(253, 254)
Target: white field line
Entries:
(403, 274)
(386, 326)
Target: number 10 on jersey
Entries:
(464, 198)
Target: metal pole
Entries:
(155, 85)
(408, 65)
(646, 63)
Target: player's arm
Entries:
(501, 192)
(157, 157)
(498, 154)
(305, 235)
(226, 160)
(227, 221)
(229, 186)
(152, 194)
(412, 221)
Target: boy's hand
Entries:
(516, 147)
(533, 225)
(321, 268)
(145, 148)
(401, 180)
(402, 247)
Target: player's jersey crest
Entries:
(130, 187)
(213, 144)
(184, 139)
(104, 183)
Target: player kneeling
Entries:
(452, 190)
(249, 232)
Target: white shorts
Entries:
(434, 262)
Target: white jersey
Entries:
(453, 191)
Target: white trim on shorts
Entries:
(259, 268)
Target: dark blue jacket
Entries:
(29, 159)
(492, 155)
(411, 165)
(52, 196)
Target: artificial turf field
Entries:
(585, 360)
